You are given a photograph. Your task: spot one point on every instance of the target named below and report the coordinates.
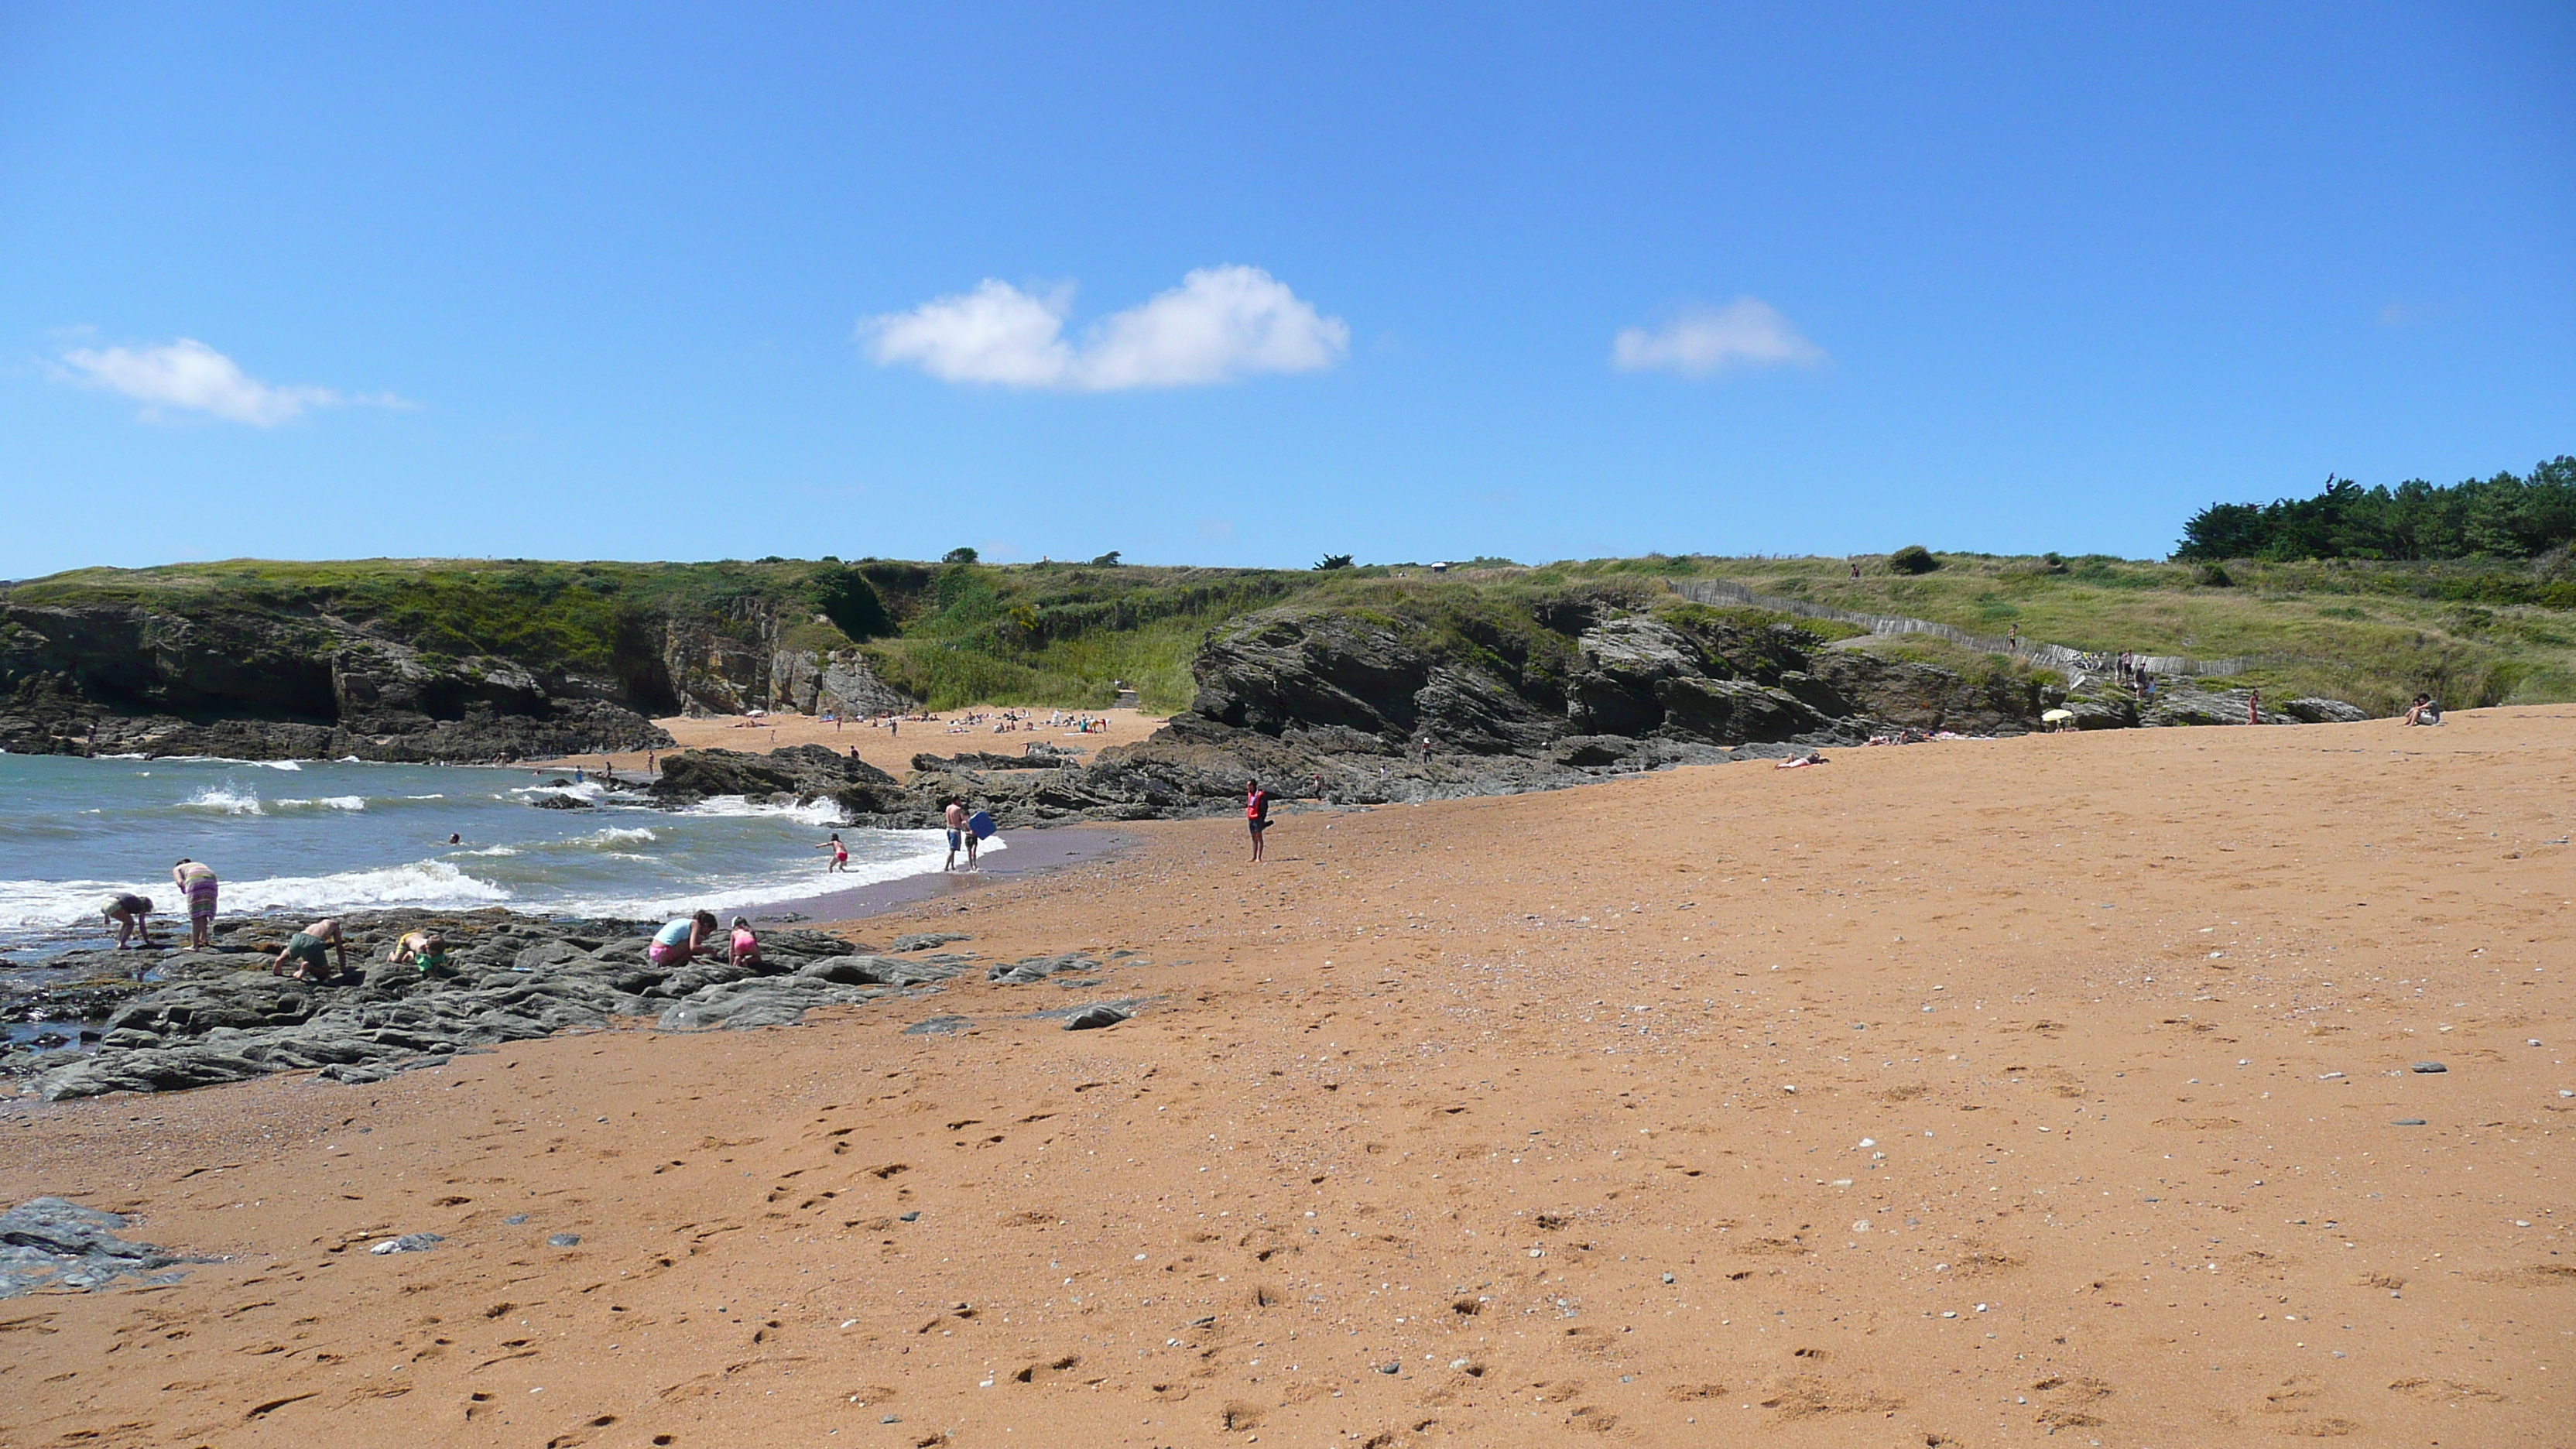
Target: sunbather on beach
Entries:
(309, 952)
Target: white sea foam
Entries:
(279, 765)
(493, 850)
(762, 890)
(327, 802)
(620, 835)
(426, 883)
(39, 904)
(818, 812)
(226, 799)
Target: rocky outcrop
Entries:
(117, 679)
(834, 681)
(802, 773)
(222, 1018)
(1361, 707)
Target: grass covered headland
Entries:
(2476, 630)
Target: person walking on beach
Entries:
(958, 834)
(132, 916)
(1256, 813)
(840, 853)
(309, 951)
(681, 939)
(197, 883)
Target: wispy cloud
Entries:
(1699, 341)
(188, 374)
(1218, 325)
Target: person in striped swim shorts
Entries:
(196, 881)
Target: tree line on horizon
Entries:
(2506, 516)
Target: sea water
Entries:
(309, 837)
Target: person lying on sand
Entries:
(679, 940)
(1802, 761)
(306, 951)
(425, 949)
(132, 915)
(746, 946)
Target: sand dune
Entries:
(1956, 1094)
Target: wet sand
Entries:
(2051, 1089)
(1026, 853)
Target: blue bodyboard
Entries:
(982, 824)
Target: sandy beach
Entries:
(2051, 1089)
(888, 750)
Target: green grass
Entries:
(1060, 635)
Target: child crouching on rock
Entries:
(746, 946)
(679, 940)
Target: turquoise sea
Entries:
(307, 837)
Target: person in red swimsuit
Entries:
(1256, 812)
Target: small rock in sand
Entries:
(409, 1243)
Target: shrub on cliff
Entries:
(1914, 558)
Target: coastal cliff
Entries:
(418, 662)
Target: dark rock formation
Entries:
(118, 679)
(222, 1018)
(49, 1244)
(1359, 706)
(804, 772)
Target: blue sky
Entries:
(1236, 285)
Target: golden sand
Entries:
(1953, 1094)
(890, 750)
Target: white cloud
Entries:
(189, 374)
(1702, 340)
(1219, 324)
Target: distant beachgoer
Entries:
(577, 777)
(132, 915)
(840, 853)
(425, 949)
(894, 728)
(1802, 761)
(1855, 568)
(745, 946)
(1256, 813)
(681, 939)
(2423, 711)
(955, 816)
(649, 766)
(455, 839)
(309, 952)
(197, 883)
(2254, 707)
(2012, 637)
